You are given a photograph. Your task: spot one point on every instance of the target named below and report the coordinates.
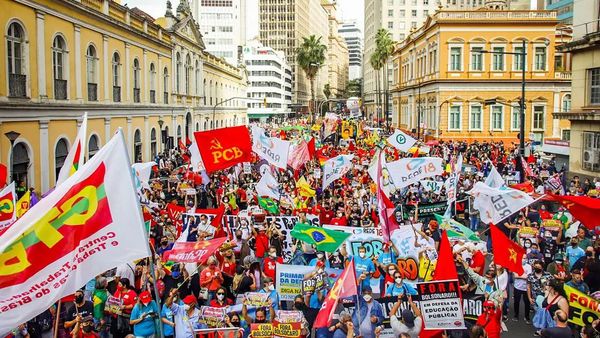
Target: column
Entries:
(107, 134)
(159, 81)
(44, 164)
(127, 72)
(130, 138)
(146, 138)
(555, 121)
(77, 54)
(106, 63)
(41, 54)
(145, 90)
(174, 128)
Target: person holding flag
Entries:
(368, 314)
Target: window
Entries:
(454, 123)
(566, 135)
(590, 158)
(390, 25)
(116, 69)
(476, 58)
(390, 13)
(594, 74)
(60, 155)
(188, 69)
(197, 78)
(425, 13)
(566, 103)
(178, 73)
(402, 13)
(558, 62)
(413, 24)
(455, 58)
(540, 58)
(136, 80)
(498, 58)
(152, 83)
(518, 59)
(475, 118)
(538, 117)
(59, 60)
(137, 146)
(413, 13)
(15, 41)
(91, 64)
(93, 146)
(497, 118)
(515, 118)
(153, 148)
(166, 85)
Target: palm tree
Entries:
(310, 57)
(375, 61)
(384, 48)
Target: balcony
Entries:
(60, 89)
(562, 75)
(92, 90)
(166, 97)
(152, 96)
(116, 94)
(17, 84)
(136, 95)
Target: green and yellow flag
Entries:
(269, 205)
(323, 239)
(456, 230)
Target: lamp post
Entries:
(12, 136)
(162, 136)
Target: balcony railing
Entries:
(166, 97)
(152, 96)
(17, 84)
(92, 91)
(60, 89)
(116, 94)
(136, 95)
(562, 75)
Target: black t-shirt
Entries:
(87, 309)
(557, 332)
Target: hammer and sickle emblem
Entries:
(215, 145)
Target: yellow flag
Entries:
(304, 188)
(23, 204)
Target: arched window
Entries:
(15, 45)
(20, 163)
(92, 81)
(178, 135)
(178, 73)
(166, 86)
(59, 60)
(137, 146)
(204, 92)
(566, 103)
(188, 69)
(197, 78)
(153, 148)
(205, 125)
(116, 74)
(197, 126)
(210, 93)
(93, 146)
(60, 155)
(136, 80)
(152, 83)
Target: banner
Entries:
(256, 299)
(583, 309)
(87, 225)
(272, 149)
(433, 186)
(335, 168)
(496, 204)
(223, 148)
(195, 223)
(7, 207)
(407, 171)
(440, 305)
(268, 186)
(426, 210)
(212, 317)
(141, 174)
(289, 278)
(401, 141)
(194, 252)
(451, 183)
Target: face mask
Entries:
(534, 251)
(186, 307)
(319, 255)
(398, 280)
(164, 242)
(538, 270)
(271, 287)
(220, 297)
(299, 305)
(175, 274)
(78, 299)
(362, 254)
(367, 298)
(235, 323)
(589, 254)
(87, 329)
(273, 254)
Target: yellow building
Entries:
(337, 53)
(442, 82)
(64, 58)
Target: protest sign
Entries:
(257, 299)
(472, 305)
(212, 316)
(286, 330)
(527, 236)
(288, 281)
(261, 330)
(113, 305)
(315, 283)
(386, 303)
(285, 224)
(247, 167)
(288, 316)
(408, 254)
(195, 223)
(440, 305)
(583, 309)
(426, 210)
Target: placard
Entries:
(113, 305)
(256, 299)
(317, 282)
(212, 317)
(440, 305)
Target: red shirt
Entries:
(478, 262)
(129, 298)
(226, 302)
(325, 216)
(491, 323)
(262, 244)
(269, 266)
(339, 221)
(228, 268)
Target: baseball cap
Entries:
(189, 299)
(145, 297)
(408, 317)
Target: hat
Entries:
(559, 257)
(408, 317)
(145, 297)
(189, 299)
(575, 271)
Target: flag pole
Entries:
(57, 319)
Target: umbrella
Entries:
(432, 143)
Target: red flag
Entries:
(384, 205)
(344, 287)
(182, 145)
(526, 168)
(524, 187)
(445, 268)
(194, 252)
(311, 148)
(3, 175)
(175, 211)
(583, 208)
(224, 147)
(506, 252)
(299, 156)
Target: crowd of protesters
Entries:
(154, 294)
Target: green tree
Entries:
(310, 57)
(376, 63)
(327, 90)
(354, 88)
(384, 50)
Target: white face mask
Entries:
(319, 255)
(186, 307)
(220, 297)
(367, 298)
(362, 254)
(273, 254)
(271, 287)
(398, 280)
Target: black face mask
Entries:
(236, 324)
(78, 299)
(260, 321)
(164, 242)
(589, 254)
(87, 328)
(299, 306)
(538, 270)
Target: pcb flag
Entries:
(87, 225)
(335, 168)
(401, 141)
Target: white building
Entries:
(270, 78)
(353, 36)
(223, 26)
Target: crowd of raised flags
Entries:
(270, 230)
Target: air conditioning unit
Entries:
(590, 158)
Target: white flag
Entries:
(387, 182)
(268, 186)
(272, 149)
(494, 179)
(195, 157)
(76, 155)
(141, 174)
(452, 181)
(89, 224)
(335, 168)
(407, 171)
(8, 204)
(401, 141)
(496, 204)
(431, 185)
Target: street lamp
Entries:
(162, 137)
(12, 137)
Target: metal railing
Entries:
(136, 95)
(17, 84)
(590, 27)
(60, 89)
(92, 90)
(116, 94)
(152, 96)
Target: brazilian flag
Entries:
(323, 239)
(269, 205)
(456, 230)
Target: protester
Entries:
(410, 322)
(143, 316)
(82, 309)
(490, 319)
(561, 330)
(187, 316)
(368, 314)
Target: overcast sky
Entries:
(347, 10)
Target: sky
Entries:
(347, 10)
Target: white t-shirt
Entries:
(521, 283)
(399, 327)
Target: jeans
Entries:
(517, 301)
(474, 222)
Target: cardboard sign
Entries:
(212, 316)
(257, 299)
(440, 305)
(315, 283)
(287, 316)
(113, 305)
(583, 309)
(288, 281)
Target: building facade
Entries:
(584, 111)
(564, 9)
(270, 80)
(64, 58)
(353, 37)
(442, 81)
(337, 54)
(283, 24)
